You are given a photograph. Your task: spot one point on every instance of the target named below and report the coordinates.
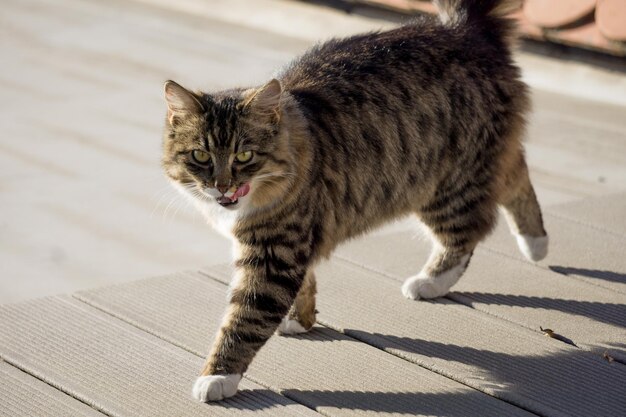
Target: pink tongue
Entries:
(241, 191)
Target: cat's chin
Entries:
(229, 201)
(232, 206)
(206, 200)
(222, 201)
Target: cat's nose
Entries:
(222, 188)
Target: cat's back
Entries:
(421, 52)
(368, 57)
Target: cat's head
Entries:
(228, 148)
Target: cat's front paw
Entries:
(290, 326)
(215, 387)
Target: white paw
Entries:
(215, 387)
(418, 287)
(289, 326)
(422, 286)
(533, 248)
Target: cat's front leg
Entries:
(301, 316)
(264, 288)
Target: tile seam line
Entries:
(310, 407)
(439, 372)
(179, 345)
(133, 324)
(549, 211)
(545, 268)
(54, 386)
(457, 299)
(552, 186)
(552, 146)
(204, 16)
(448, 296)
(549, 180)
(444, 375)
(587, 123)
(498, 253)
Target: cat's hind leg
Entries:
(522, 212)
(458, 219)
(441, 272)
(301, 316)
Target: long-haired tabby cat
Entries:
(426, 119)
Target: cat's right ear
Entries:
(180, 101)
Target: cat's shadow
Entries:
(485, 362)
(590, 273)
(448, 404)
(484, 367)
(609, 313)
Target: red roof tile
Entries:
(591, 24)
(611, 19)
(554, 14)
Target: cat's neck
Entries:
(296, 144)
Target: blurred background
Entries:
(83, 202)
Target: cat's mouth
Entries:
(226, 201)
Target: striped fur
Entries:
(426, 119)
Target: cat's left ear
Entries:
(265, 101)
(180, 101)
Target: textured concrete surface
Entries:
(83, 204)
(82, 199)
(578, 290)
(115, 368)
(479, 351)
(21, 394)
(325, 370)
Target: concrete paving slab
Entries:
(577, 249)
(606, 213)
(22, 395)
(114, 367)
(477, 349)
(84, 203)
(514, 290)
(81, 80)
(326, 370)
(577, 147)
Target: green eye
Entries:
(201, 157)
(244, 156)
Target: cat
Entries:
(427, 118)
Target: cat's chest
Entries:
(223, 220)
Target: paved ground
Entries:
(133, 350)
(83, 204)
(82, 200)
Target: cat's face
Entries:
(226, 149)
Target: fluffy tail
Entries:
(488, 15)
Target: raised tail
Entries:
(490, 16)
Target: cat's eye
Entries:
(244, 156)
(201, 157)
